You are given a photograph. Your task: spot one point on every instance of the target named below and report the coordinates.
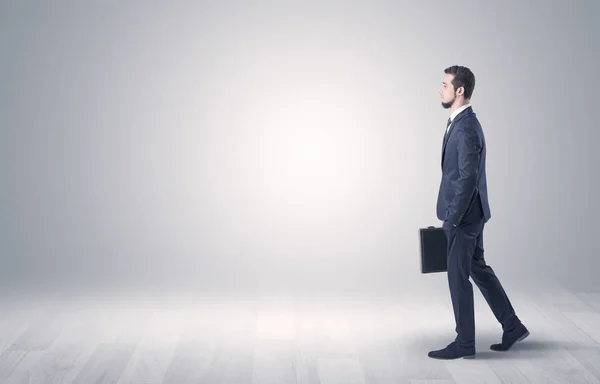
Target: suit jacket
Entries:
(463, 170)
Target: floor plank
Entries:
(553, 366)
(106, 364)
(475, 371)
(25, 371)
(274, 361)
(190, 363)
(41, 333)
(591, 299)
(9, 361)
(588, 322)
(588, 358)
(148, 364)
(61, 363)
(17, 319)
(231, 363)
(338, 370)
(156, 349)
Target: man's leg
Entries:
(462, 242)
(461, 247)
(486, 280)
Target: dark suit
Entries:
(463, 205)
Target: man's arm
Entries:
(469, 152)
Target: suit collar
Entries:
(464, 110)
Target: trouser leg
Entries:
(488, 283)
(462, 242)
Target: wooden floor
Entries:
(290, 339)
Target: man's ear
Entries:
(460, 91)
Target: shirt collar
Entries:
(459, 110)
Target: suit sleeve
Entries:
(469, 153)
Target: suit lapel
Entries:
(464, 113)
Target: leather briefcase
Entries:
(433, 248)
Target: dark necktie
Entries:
(444, 140)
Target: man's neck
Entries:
(457, 105)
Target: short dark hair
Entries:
(463, 77)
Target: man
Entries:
(464, 209)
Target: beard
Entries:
(449, 104)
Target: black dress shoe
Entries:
(510, 338)
(453, 351)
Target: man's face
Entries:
(447, 92)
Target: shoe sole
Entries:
(453, 358)
(523, 337)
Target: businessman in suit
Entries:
(464, 209)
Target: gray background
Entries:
(236, 146)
